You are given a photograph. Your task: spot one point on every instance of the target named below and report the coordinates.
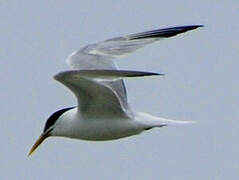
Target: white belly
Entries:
(100, 130)
(73, 125)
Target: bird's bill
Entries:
(41, 138)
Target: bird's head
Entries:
(49, 126)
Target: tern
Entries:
(103, 112)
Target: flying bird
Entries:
(103, 112)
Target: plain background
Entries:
(201, 84)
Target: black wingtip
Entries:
(159, 74)
(156, 74)
(191, 27)
(141, 73)
(199, 25)
(164, 33)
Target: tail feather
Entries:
(171, 122)
(153, 121)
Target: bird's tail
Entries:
(172, 122)
(154, 121)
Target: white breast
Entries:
(71, 124)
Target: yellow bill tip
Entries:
(41, 138)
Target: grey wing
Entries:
(95, 99)
(100, 55)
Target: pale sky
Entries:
(201, 84)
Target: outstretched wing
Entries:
(96, 99)
(100, 55)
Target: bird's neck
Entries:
(66, 122)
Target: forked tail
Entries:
(171, 121)
(154, 121)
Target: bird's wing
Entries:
(96, 99)
(100, 55)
